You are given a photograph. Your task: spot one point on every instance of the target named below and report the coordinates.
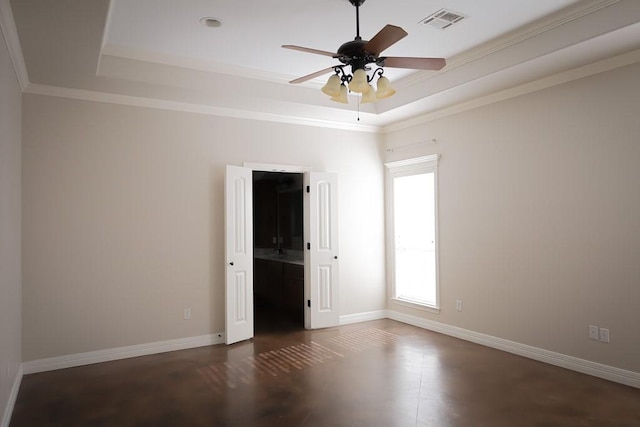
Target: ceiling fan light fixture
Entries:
(385, 90)
(361, 56)
(342, 97)
(332, 88)
(369, 97)
(359, 83)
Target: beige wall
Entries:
(540, 216)
(10, 228)
(123, 219)
(539, 236)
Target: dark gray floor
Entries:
(380, 373)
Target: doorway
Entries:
(320, 225)
(278, 255)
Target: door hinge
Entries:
(309, 246)
(308, 189)
(309, 303)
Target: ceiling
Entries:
(157, 53)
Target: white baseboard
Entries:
(363, 317)
(80, 359)
(599, 370)
(13, 395)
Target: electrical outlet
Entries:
(187, 313)
(459, 305)
(604, 335)
(593, 332)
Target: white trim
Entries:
(599, 370)
(534, 86)
(13, 395)
(137, 101)
(348, 319)
(413, 161)
(595, 369)
(400, 168)
(10, 32)
(267, 167)
(81, 359)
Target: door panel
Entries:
(240, 288)
(238, 254)
(321, 256)
(324, 288)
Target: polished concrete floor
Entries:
(379, 373)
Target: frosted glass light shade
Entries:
(332, 88)
(359, 83)
(368, 97)
(384, 88)
(342, 97)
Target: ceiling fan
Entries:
(359, 54)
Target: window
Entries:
(413, 213)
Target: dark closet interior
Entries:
(278, 263)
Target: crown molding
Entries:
(10, 33)
(598, 67)
(136, 101)
(536, 85)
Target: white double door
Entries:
(320, 252)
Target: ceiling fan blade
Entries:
(414, 63)
(311, 76)
(386, 37)
(309, 50)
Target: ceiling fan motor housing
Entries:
(353, 53)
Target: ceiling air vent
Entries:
(442, 19)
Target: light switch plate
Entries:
(593, 332)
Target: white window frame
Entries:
(414, 166)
